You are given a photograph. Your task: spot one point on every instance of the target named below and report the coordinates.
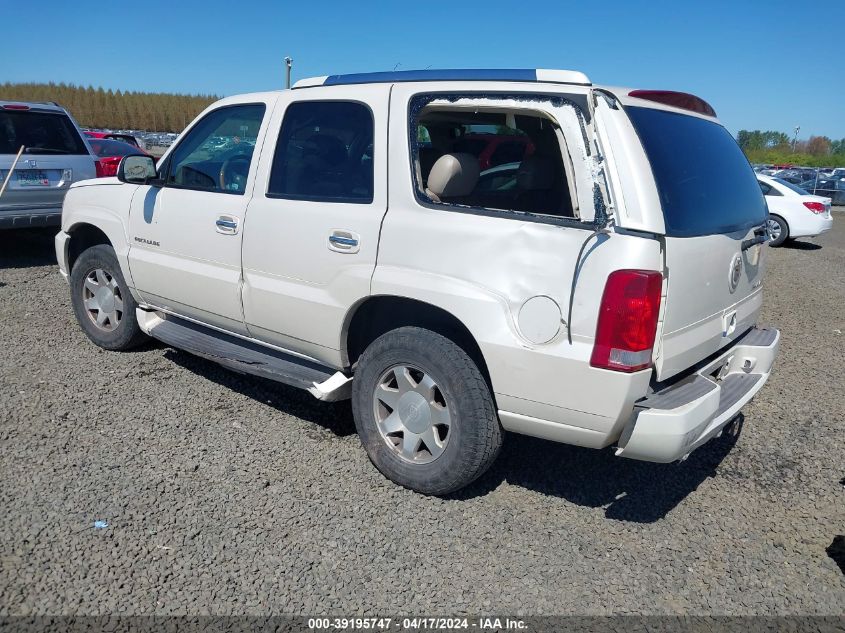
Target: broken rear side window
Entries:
(492, 153)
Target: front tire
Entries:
(101, 300)
(778, 229)
(424, 412)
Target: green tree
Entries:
(101, 108)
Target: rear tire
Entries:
(779, 230)
(101, 300)
(439, 398)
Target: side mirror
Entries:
(137, 169)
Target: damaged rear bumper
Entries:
(672, 422)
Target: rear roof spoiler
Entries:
(682, 100)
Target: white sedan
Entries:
(792, 211)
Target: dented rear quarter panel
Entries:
(483, 268)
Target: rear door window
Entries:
(39, 132)
(324, 153)
(706, 184)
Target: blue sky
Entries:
(768, 64)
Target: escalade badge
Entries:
(735, 272)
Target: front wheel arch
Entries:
(82, 237)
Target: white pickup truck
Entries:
(460, 252)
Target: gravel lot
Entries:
(225, 494)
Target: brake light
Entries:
(815, 207)
(15, 106)
(627, 322)
(107, 166)
(682, 100)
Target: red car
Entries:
(495, 149)
(126, 138)
(110, 152)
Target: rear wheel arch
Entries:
(82, 237)
(380, 314)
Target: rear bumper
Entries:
(811, 226)
(36, 218)
(671, 423)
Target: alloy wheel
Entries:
(102, 299)
(775, 229)
(412, 414)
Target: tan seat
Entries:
(452, 176)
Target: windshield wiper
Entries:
(761, 236)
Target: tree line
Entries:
(777, 148)
(110, 109)
(167, 112)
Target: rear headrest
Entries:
(535, 173)
(452, 175)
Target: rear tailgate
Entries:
(713, 295)
(711, 215)
(40, 181)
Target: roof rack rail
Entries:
(453, 74)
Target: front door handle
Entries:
(227, 224)
(343, 241)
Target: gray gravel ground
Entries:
(225, 494)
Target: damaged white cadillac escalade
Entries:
(461, 252)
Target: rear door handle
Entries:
(343, 241)
(227, 224)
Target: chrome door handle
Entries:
(227, 224)
(343, 241)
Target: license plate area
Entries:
(32, 178)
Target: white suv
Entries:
(460, 252)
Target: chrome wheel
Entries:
(412, 414)
(775, 229)
(102, 299)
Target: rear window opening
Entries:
(705, 182)
(39, 133)
(493, 157)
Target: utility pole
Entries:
(795, 138)
(288, 64)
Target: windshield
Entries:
(705, 183)
(791, 187)
(39, 132)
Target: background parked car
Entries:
(792, 211)
(117, 136)
(109, 153)
(493, 150)
(833, 188)
(55, 155)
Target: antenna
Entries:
(288, 64)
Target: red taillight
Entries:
(627, 320)
(682, 100)
(15, 106)
(815, 207)
(107, 166)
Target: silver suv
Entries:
(55, 155)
